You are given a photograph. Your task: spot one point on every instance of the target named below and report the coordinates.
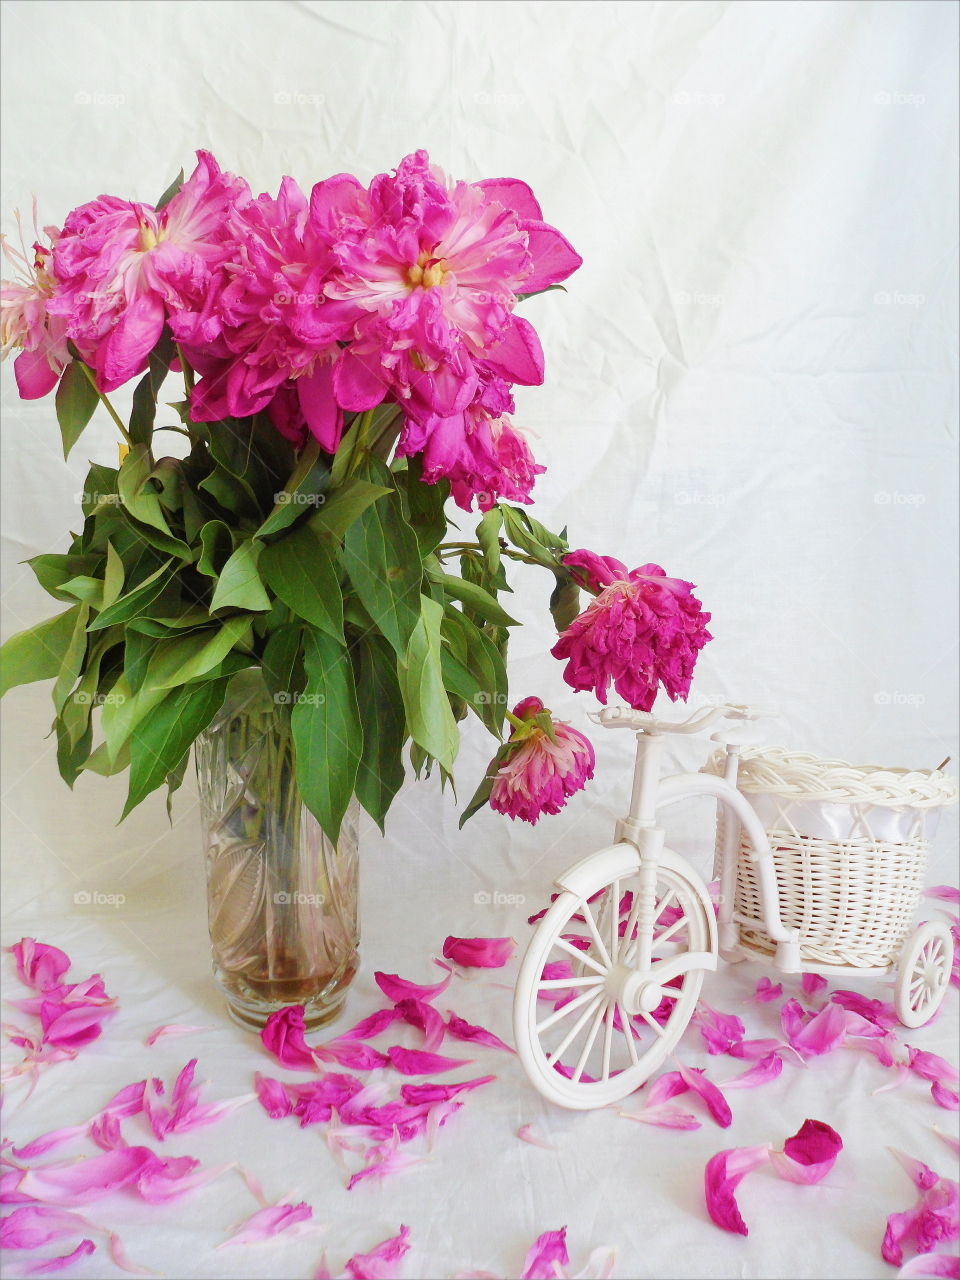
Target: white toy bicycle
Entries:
(612, 975)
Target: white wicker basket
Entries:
(850, 848)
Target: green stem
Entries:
(453, 547)
(88, 374)
(186, 370)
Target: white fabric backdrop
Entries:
(751, 381)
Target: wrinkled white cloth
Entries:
(751, 382)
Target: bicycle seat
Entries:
(646, 722)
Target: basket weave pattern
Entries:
(851, 896)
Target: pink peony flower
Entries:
(539, 775)
(432, 270)
(643, 630)
(123, 267)
(935, 1216)
(26, 323)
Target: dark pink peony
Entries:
(642, 631)
(540, 775)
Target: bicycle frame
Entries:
(651, 793)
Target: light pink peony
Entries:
(123, 267)
(539, 776)
(642, 631)
(26, 324)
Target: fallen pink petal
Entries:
(525, 1134)
(765, 1070)
(269, 1222)
(943, 892)
(812, 985)
(414, 1062)
(371, 1026)
(721, 1031)
(381, 1263)
(459, 1029)
(723, 1174)
(396, 988)
(765, 991)
(717, 1104)
(479, 953)
(547, 1256)
(170, 1029)
(933, 1265)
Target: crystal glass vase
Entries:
(281, 898)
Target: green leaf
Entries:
(488, 535)
(300, 569)
(159, 743)
(134, 601)
(564, 601)
(72, 756)
(531, 536)
(303, 490)
(85, 589)
(280, 657)
(170, 192)
(474, 669)
(100, 762)
(112, 577)
(138, 649)
(53, 572)
(474, 597)
(186, 657)
(345, 504)
(429, 718)
(37, 653)
(327, 733)
(75, 714)
(424, 505)
(135, 486)
(123, 709)
(175, 782)
(76, 400)
(147, 391)
(72, 660)
(380, 773)
(239, 586)
(382, 558)
(216, 541)
(482, 793)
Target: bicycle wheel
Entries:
(590, 1025)
(923, 974)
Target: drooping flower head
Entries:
(26, 324)
(538, 773)
(644, 630)
(123, 267)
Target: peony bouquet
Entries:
(329, 370)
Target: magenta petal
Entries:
(47, 1265)
(82, 1181)
(479, 953)
(380, 1263)
(35, 377)
(371, 1026)
(358, 382)
(922, 1174)
(665, 1087)
(812, 984)
(546, 1256)
(944, 1097)
(723, 1174)
(272, 1096)
(283, 1036)
(396, 988)
(554, 257)
(518, 357)
(38, 965)
(944, 892)
(33, 1226)
(766, 991)
(423, 1015)
(717, 1104)
(413, 1062)
(813, 1143)
(767, 1069)
(822, 1033)
(513, 194)
(461, 1030)
(417, 1093)
(324, 416)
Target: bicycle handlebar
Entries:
(645, 721)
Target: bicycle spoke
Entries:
(592, 926)
(590, 1041)
(613, 902)
(560, 984)
(627, 940)
(575, 1030)
(628, 1033)
(663, 904)
(668, 933)
(564, 1012)
(652, 1022)
(607, 1040)
(581, 956)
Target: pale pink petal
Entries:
(269, 1222)
(414, 1062)
(944, 1097)
(723, 1174)
(462, 1030)
(171, 1029)
(83, 1181)
(396, 988)
(164, 1180)
(950, 1140)
(766, 991)
(50, 1141)
(721, 1031)
(920, 1173)
(381, 1263)
(383, 1160)
(33, 1226)
(599, 1265)
(479, 953)
(119, 1255)
(933, 1265)
(546, 1255)
(323, 1272)
(822, 1033)
(902, 1074)
(47, 1265)
(932, 1067)
(763, 1072)
(880, 1012)
(663, 1116)
(754, 1050)
(525, 1134)
(371, 1026)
